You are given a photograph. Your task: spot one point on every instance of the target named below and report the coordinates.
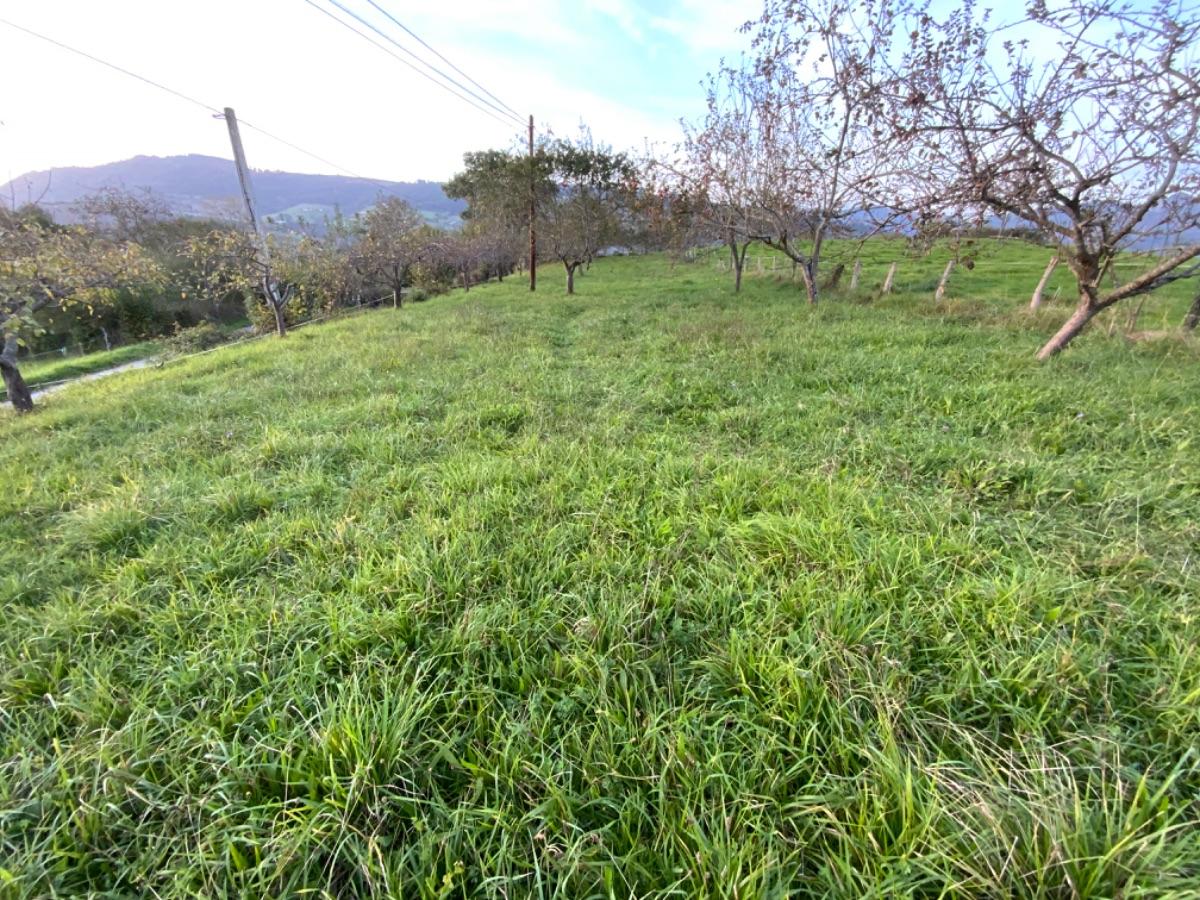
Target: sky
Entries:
(629, 69)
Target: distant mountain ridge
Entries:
(207, 186)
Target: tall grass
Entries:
(651, 592)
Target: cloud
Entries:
(622, 14)
(705, 27)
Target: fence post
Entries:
(940, 294)
(891, 277)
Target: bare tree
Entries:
(124, 215)
(718, 173)
(816, 104)
(1082, 120)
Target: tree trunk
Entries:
(1036, 301)
(832, 282)
(570, 279)
(1084, 313)
(810, 283)
(889, 280)
(739, 264)
(18, 390)
(280, 322)
(274, 300)
(855, 274)
(940, 294)
(1193, 315)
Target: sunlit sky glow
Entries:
(629, 69)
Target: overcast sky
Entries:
(629, 69)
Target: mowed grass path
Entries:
(653, 591)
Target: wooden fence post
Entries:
(888, 281)
(1036, 301)
(940, 294)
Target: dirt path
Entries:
(92, 376)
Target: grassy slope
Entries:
(654, 589)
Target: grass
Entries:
(650, 592)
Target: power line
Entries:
(501, 109)
(425, 75)
(424, 44)
(401, 59)
(182, 96)
(114, 66)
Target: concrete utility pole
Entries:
(243, 171)
(270, 289)
(532, 216)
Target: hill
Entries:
(197, 185)
(655, 591)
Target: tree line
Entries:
(126, 246)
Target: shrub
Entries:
(204, 336)
(138, 317)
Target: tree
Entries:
(320, 270)
(226, 261)
(669, 212)
(582, 211)
(129, 216)
(719, 174)
(395, 239)
(496, 186)
(1094, 143)
(805, 125)
(43, 266)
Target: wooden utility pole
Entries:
(270, 289)
(532, 216)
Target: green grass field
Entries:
(654, 591)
